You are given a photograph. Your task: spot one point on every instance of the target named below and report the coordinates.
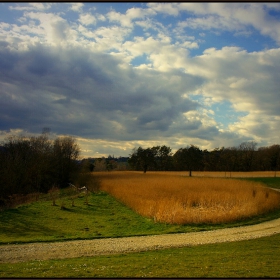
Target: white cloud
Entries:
(100, 17)
(226, 16)
(168, 58)
(87, 19)
(121, 18)
(31, 6)
(134, 13)
(212, 22)
(77, 7)
(166, 8)
(140, 46)
(255, 126)
(130, 15)
(247, 80)
(189, 45)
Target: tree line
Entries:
(106, 164)
(36, 164)
(244, 157)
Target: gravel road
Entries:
(106, 246)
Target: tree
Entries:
(189, 158)
(111, 164)
(35, 164)
(163, 157)
(86, 165)
(100, 164)
(274, 157)
(142, 159)
(268, 158)
(229, 159)
(25, 164)
(246, 152)
(212, 160)
(65, 155)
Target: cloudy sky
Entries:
(123, 75)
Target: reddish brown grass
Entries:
(172, 198)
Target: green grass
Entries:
(251, 258)
(272, 182)
(103, 217)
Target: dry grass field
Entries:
(172, 197)
(228, 174)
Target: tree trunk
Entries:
(145, 168)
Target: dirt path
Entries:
(73, 249)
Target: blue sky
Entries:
(122, 75)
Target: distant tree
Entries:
(25, 164)
(246, 152)
(228, 159)
(91, 167)
(65, 155)
(268, 158)
(212, 160)
(111, 164)
(189, 158)
(100, 164)
(274, 157)
(37, 164)
(163, 158)
(261, 161)
(142, 159)
(86, 165)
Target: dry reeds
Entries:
(173, 198)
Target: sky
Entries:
(121, 75)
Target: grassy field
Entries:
(235, 174)
(244, 259)
(104, 216)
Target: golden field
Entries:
(172, 197)
(234, 174)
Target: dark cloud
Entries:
(89, 94)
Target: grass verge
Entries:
(245, 259)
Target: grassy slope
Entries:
(103, 217)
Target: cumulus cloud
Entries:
(130, 15)
(89, 94)
(166, 8)
(226, 16)
(87, 19)
(77, 7)
(241, 77)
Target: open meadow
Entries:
(172, 197)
